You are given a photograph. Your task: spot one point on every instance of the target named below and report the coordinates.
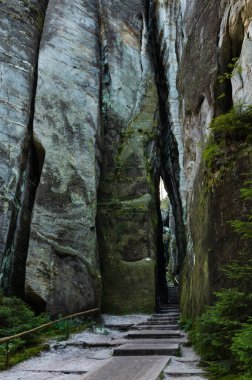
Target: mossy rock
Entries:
(214, 243)
(129, 287)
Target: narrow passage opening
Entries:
(168, 257)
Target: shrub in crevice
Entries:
(229, 133)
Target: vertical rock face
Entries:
(62, 267)
(197, 45)
(213, 243)
(79, 81)
(20, 30)
(127, 216)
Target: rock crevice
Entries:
(25, 174)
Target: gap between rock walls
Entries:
(170, 169)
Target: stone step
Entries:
(161, 311)
(156, 326)
(174, 304)
(159, 322)
(154, 334)
(169, 313)
(130, 368)
(180, 340)
(132, 349)
(166, 315)
(171, 306)
(160, 317)
(171, 309)
(119, 326)
(162, 322)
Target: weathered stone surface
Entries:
(60, 137)
(131, 349)
(62, 267)
(240, 28)
(154, 334)
(211, 242)
(95, 94)
(215, 243)
(21, 26)
(190, 63)
(165, 35)
(135, 368)
(127, 217)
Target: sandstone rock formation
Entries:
(97, 100)
(200, 62)
(20, 29)
(127, 216)
(62, 266)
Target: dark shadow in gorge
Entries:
(161, 282)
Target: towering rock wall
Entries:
(21, 28)
(62, 269)
(127, 215)
(77, 89)
(50, 128)
(198, 44)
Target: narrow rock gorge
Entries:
(99, 101)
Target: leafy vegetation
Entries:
(242, 346)
(222, 335)
(17, 317)
(230, 134)
(235, 123)
(233, 69)
(212, 153)
(241, 226)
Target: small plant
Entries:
(242, 347)
(244, 227)
(230, 132)
(212, 153)
(233, 68)
(237, 123)
(17, 317)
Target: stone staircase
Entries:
(172, 295)
(148, 349)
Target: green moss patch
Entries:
(230, 132)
